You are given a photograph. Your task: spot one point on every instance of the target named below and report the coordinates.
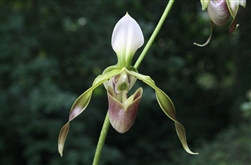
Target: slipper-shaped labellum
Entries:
(122, 110)
(218, 12)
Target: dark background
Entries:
(51, 51)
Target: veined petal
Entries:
(167, 106)
(80, 105)
(122, 116)
(127, 37)
(218, 12)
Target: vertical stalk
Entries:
(101, 140)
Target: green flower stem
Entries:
(101, 140)
(155, 32)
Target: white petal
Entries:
(127, 37)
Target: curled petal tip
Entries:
(192, 153)
(60, 149)
(182, 136)
(62, 137)
(209, 38)
(202, 45)
(189, 151)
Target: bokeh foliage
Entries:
(51, 51)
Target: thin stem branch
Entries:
(155, 32)
(101, 140)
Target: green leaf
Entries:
(168, 108)
(80, 105)
(204, 4)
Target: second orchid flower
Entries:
(219, 12)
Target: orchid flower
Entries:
(219, 12)
(118, 79)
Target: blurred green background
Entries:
(51, 51)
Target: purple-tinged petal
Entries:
(122, 116)
(218, 12)
(62, 137)
(78, 107)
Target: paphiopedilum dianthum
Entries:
(118, 79)
(219, 12)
